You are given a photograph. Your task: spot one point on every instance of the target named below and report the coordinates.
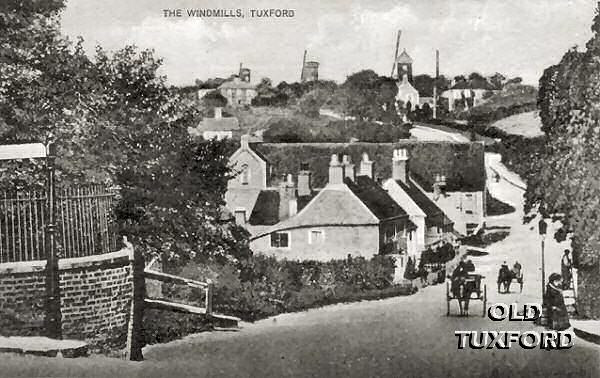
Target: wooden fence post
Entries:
(135, 329)
(209, 295)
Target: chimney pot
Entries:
(366, 166)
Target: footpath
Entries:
(43, 346)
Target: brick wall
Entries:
(95, 297)
(588, 293)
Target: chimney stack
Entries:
(288, 206)
(218, 112)
(366, 166)
(348, 168)
(304, 181)
(438, 185)
(400, 165)
(240, 217)
(245, 139)
(336, 171)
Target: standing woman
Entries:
(555, 304)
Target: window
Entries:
(316, 237)
(245, 175)
(280, 240)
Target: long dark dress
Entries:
(557, 310)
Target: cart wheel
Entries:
(447, 299)
(484, 300)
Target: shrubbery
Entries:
(262, 286)
(298, 130)
(441, 255)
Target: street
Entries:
(405, 336)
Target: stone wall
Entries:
(96, 293)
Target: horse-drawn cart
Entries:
(465, 289)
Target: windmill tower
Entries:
(310, 70)
(402, 63)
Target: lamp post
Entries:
(542, 227)
(53, 316)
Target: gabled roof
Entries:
(404, 58)
(375, 198)
(434, 216)
(219, 124)
(461, 163)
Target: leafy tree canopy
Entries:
(114, 121)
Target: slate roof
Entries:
(266, 207)
(434, 216)
(375, 198)
(461, 163)
(219, 124)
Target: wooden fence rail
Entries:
(84, 220)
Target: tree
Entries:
(497, 80)
(367, 93)
(566, 186)
(311, 102)
(214, 99)
(115, 121)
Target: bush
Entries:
(262, 286)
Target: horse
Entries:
(505, 277)
(461, 291)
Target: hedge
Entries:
(262, 286)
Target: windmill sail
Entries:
(396, 53)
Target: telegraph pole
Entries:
(437, 74)
(53, 317)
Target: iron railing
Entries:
(84, 223)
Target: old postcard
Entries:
(332, 188)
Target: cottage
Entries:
(352, 214)
(433, 226)
(218, 127)
(449, 174)
(470, 92)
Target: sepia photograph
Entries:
(300, 188)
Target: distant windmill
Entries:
(396, 53)
(303, 66)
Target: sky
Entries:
(514, 37)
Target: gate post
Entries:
(53, 316)
(135, 328)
